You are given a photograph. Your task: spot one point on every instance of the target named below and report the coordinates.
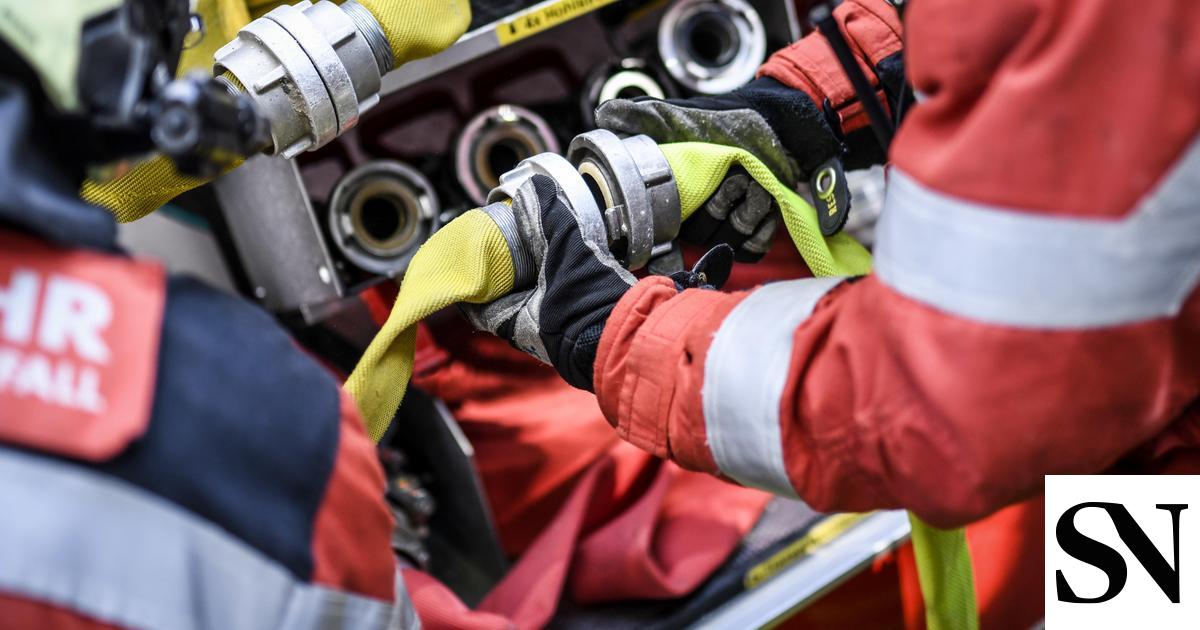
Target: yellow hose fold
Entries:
(144, 189)
(700, 168)
(468, 261)
(465, 261)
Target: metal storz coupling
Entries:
(632, 181)
(622, 191)
(311, 69)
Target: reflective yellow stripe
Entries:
(829, 528)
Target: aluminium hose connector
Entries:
(579, 200)
(632, 181)
(312, 70)
(372, 31)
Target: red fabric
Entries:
(667, 540)
(533, 435)
(353, 530)
(650, 327)
(873, 31)
(79, 334)
(440, 609)
(18, 613)
(1062, 108)
(892, 403)
(673, 537)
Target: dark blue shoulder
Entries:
(244, 430)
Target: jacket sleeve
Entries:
(1033, 308)
(874, 32)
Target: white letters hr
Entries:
(75, 313)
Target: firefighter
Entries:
(1033, 306)
(169, 457)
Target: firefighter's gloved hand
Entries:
(560, 318)
(740, 214)
(779, 125)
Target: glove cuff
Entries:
(578, 367)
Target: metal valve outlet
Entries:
(622, 192)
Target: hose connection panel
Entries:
(312, 70)
(380, 213)
(712, 46)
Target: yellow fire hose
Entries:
(468, 261)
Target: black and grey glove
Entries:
(560, 317)
(779, 125)
(740, 214)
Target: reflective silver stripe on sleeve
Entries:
(745, 374)
(111, 551)
(1018, 269)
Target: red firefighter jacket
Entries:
(1033, 308)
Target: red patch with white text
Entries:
(79, 334)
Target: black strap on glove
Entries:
(710, 272)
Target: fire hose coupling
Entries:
(311, 69)
(622, 192)
(631, 179)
